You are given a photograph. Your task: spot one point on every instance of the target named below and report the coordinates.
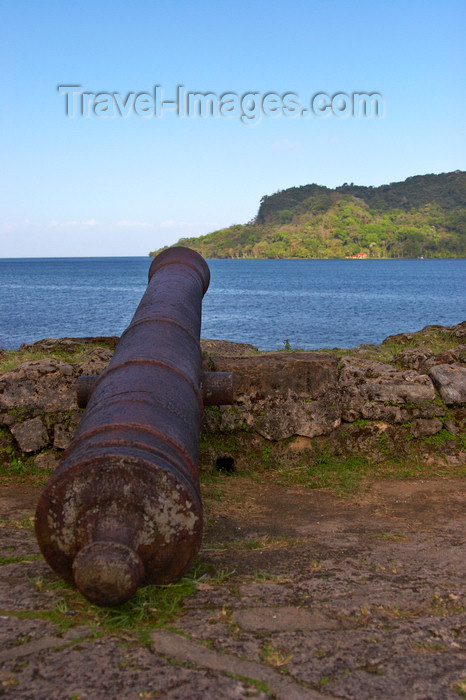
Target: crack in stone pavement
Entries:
(184, 650)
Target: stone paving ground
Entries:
(297, 593)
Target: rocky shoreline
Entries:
(403, 400)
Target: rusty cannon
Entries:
(123, 507)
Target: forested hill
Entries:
(423, 216)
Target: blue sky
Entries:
(114, 186)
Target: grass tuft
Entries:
(344, 475)
(151, 607)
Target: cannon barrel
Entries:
(216, 388)
(123, 507)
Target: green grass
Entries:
(20, 471)
(341, 474)
(24, 523)
(350, 474)
(432, 340)
(445, 436)
(413, 469)
(18, 559)
(151, 607)
(344, 475)
(11, 359)
(287, 347)
(247, 544)
(17, 467)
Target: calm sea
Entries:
(310, 303)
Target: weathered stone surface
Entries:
(182, 649)
(95, 363)
(414, 358)
(38, 398)
(70, 344)
(62, 436)
(226, 348)
(450, 380)
(460, 330)
(31, 435)
(7, 419)
(426, 426)
(449, 357)
(46, 460)
(366, 439)
(282, 619)
(429, 332)
(41, 385)
(422, 359)
(280, 394)
(451, 427)
(377, 391)
(385, 567)
(288, 405)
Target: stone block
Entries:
(376, 391)
(426, 426)
(450, 380)
(31, 435)
(282, 394)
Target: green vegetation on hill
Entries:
(423, 216)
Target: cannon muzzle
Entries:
(123, 507)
